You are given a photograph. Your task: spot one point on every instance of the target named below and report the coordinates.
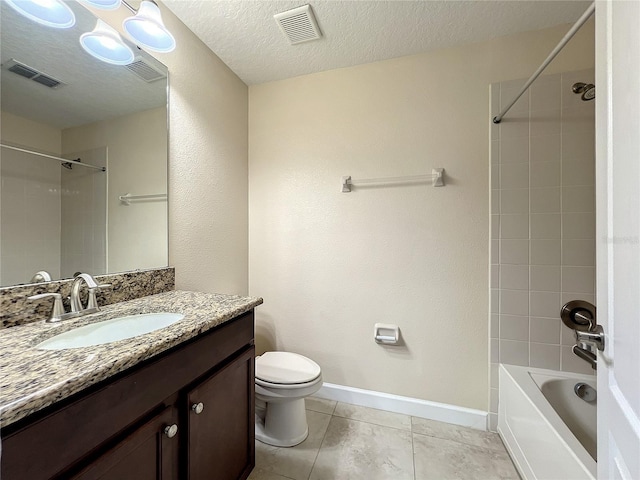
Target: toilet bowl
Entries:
(283, 380)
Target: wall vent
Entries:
(298, 25)
(145, 71)
(31, 73)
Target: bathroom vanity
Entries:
(177, 403)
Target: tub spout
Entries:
(586, 355)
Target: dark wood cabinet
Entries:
(150, 452)
(117, 429)
(218, 444)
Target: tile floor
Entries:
(348, 442)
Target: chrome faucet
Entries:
(58, 312)
(581, 317)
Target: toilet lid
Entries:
(286, 368)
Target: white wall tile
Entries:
(579, 199)
(544, 304)
(508, 90)
(545, 252)
(545, 122)
(579, 253)
(495, 300)
(545, 278)
(495, 276)
(495, 152)
(546, 148)
(579, 279)
(545, 200)
(514, 327)
(514, 302)
(516, 252)
(514, 150)
(545, 174)
(495, 226)
(494, 374)
(545, 356)
(514, 175)
(514, 277)
(514, 125)
(544, 330)
(580, 119)
(493, 400)
(514, 353)
(494, 327)
(578, 225)
(577, 147)
(495, 251)
(514, 226)
(514, 201)
(545, 93)
(495, 176)
(545, 225)
(494, 353)
(495, 201)
(576, 173)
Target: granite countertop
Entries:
(31, 379)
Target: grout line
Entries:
(321, 444)
(413, 448)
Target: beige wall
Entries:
(208, 217)
(137, 164)
(329, 265)
(29, 201)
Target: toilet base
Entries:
(284, 424)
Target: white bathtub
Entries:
(548, 430)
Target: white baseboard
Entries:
(442, 412)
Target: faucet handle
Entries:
(93, 302)
(58, 309)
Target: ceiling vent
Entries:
(145, 71)
(298, 25)
(31, 73)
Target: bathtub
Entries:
(549, 431)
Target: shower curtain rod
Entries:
(576, 26)
(63, 160)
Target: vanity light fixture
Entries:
(104, 4)
(52, 13)
(105, 44)
(147, 29)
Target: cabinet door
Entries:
(221, 436)
(148, 453)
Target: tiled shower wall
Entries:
(542, 222)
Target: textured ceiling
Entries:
(94, 90)
(246, 37)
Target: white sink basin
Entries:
(110, 330)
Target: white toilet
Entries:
(283, 380)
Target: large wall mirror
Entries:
(107, 212)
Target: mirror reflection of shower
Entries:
(588, 90)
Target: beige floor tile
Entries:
(294, 462)
(355, 450)
(320, 405)
(260, 474)
(371, 415)
(441, 459)
(457, 433)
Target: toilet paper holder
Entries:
(386, 333)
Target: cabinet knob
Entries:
(171, 430)
(198, 408)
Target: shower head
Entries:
(588, 90)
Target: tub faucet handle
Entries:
(594, 336)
